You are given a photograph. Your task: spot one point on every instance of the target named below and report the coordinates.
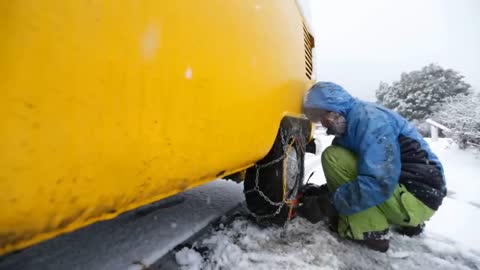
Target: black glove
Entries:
(315, 204)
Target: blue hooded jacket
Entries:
(372, 134)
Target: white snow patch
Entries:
(313, 162)
(459, 214)
(302, 245)
(189, 259)
(449, 242)
(398, 255)
(461, 167)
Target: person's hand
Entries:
(314, 203)
(326, 205)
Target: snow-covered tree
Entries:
(462, 115)
(418, 92)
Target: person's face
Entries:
(318, 116)
(334, 122)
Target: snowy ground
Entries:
(141, 237)
(450, 241)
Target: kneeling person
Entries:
(379, 169)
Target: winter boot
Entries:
(333, 223)
(381, 245)
(377, 240)
(411, 231)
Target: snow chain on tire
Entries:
(287, 141)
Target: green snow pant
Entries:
(402, 208)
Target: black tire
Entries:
(271, 178)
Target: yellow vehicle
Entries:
(109, 105)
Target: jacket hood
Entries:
(329, 96)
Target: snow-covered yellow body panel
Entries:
(108, 105)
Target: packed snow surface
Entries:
(451, 239)
(141, 237)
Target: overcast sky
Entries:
(360, 43)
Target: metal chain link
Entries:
(281, 204)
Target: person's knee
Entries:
(339, 166)
(328, 155)
(333, 154)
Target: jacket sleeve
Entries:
(375, 143)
